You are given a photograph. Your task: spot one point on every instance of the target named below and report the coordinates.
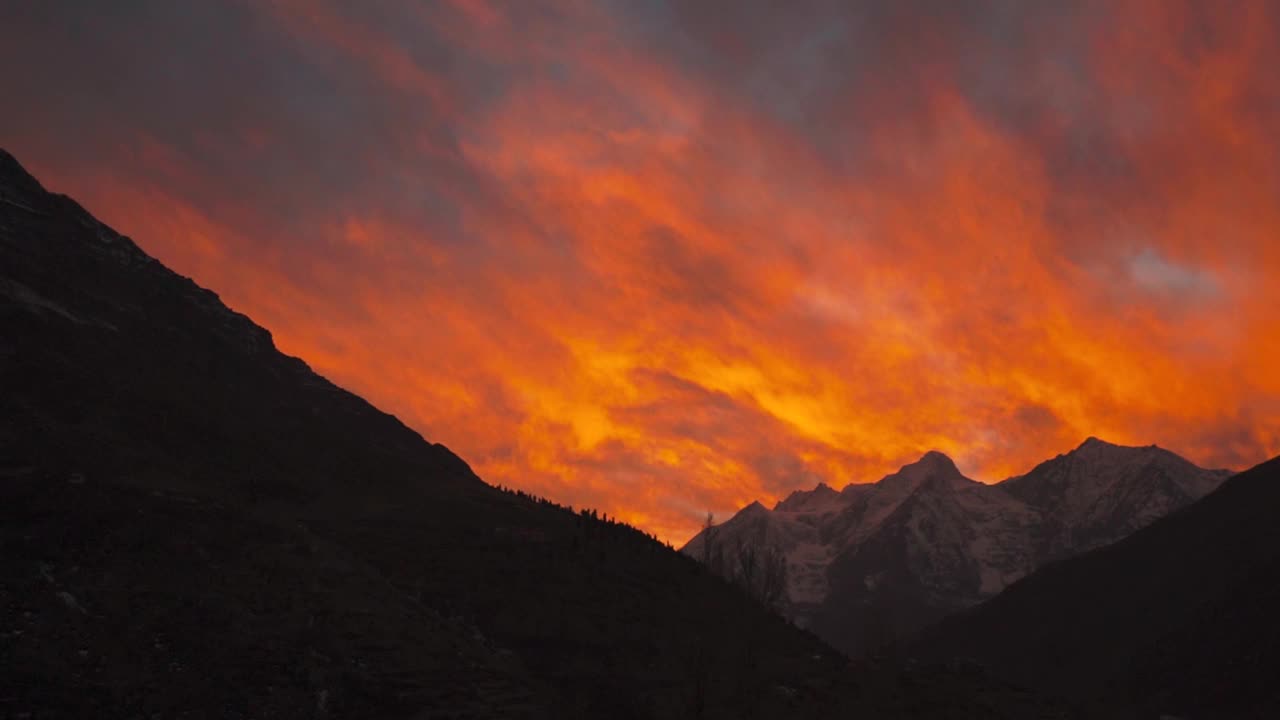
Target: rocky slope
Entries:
(875, 562)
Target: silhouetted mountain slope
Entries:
(195, 525)
(1178, 618)
(122, 602)
(874, 563)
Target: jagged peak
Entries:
(1095, 442)
(855, 488)
(822, 490)
(1094, 445)
(930, 463)
(1094, 465)
(934, 466)
(936, 457)
(800, 500)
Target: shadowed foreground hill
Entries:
(195, 525)
(1179, 619)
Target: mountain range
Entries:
(193, 524)
(1176, 620)
(873, 563)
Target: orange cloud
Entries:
(610, 266)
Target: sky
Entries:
(665, 258)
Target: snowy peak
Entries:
(1096, 464)
(926, 540)
(932, 462)
(1101, 492)
(937, 458)
(853, 490)
(1094, 447)
(820, 499)
(933, 470)
(747, 525)
(1096, 451)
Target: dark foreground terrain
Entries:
(1179, 620)
(195, 525)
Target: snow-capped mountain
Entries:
(1100, 493)
(874, 561)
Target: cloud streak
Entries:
(664, 259)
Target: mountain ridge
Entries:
(925, 540)
(194, 524)
(1184, 609)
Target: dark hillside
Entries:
(195, 525)
(1179, 618)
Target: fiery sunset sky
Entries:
(662, 258)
